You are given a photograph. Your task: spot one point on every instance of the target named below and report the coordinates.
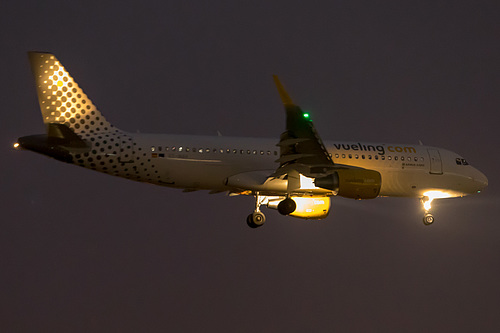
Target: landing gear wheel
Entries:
(256, 219)
(287, 206)
(428, 219)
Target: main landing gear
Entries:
(428, 218)
(257, 218)
(285, 206)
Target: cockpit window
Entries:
(461, 161)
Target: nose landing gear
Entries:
(428, 218)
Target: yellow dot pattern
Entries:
(111, 151)
(62, 100)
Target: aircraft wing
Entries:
(301, 147)
(305, 165)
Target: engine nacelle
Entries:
(309, 208)
(353, 183)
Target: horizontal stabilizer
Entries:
(61, 135)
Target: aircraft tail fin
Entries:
(61, 100)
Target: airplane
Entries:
(296, 174)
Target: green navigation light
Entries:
(305, 115)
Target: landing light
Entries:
(16, 145)
(431, 195)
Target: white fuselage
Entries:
(206, 162)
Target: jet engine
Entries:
(352, 183)
(309, 208)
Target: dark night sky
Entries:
(82, 251)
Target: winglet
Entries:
(283, 94)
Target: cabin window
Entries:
(262, 152)
(369, 157)
(343, 155)
(356, 156)
(159, 148)
(350, 155)
(153, 148)
(200, 150)
(254, 152)
(173, 148)
(415, 159)
(376, 157)
(180, 148)
(187, 150)
(395, 158)
(389, 158)
(241, 151)
(268, 152)
(363, 156)
(336, 155)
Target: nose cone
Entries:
(480, 180)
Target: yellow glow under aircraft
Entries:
(296, 174)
